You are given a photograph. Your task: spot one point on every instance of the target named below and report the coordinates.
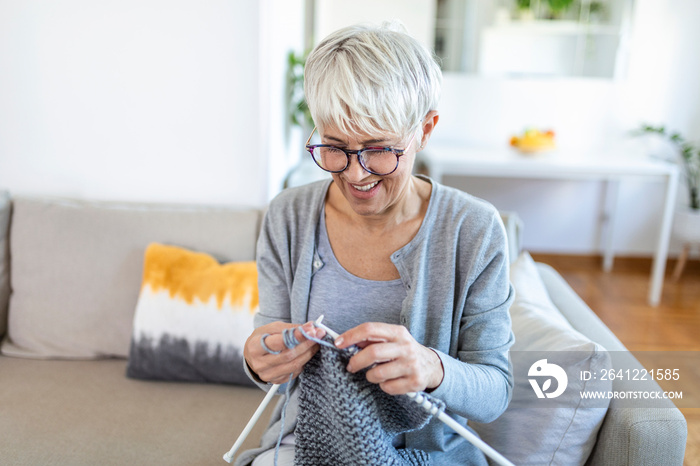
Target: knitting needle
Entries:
(228, 456)
(317, 323)
(459, 428)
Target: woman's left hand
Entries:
(401, 364)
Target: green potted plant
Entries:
(299, 116)
(525, 12)
(689, 156)
(298, 111)
(686, 225)
(558, 7)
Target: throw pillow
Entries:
(192, 318)
(557, 430)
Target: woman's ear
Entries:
(429, 123)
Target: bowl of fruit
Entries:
(533, 141)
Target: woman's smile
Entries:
(365, 187)
(365, 191)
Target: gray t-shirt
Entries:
(370, 300)
(347, 300)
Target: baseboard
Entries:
(621, 263)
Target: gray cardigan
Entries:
(455, 271)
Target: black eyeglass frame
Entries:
(397, 152)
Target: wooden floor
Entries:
(619, 298)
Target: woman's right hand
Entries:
(275, 368)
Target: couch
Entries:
(69, 401)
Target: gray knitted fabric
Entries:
(345, 420)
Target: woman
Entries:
(413, 272)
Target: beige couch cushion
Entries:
(87, 413)
(77, 267)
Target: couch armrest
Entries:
(641, 436)
(628, 436)
(5, 211)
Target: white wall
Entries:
(417, 15)
(155, 100)
(283, 24)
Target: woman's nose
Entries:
(355, 172)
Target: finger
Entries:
(265, 364)
(279, 373)
(253, 343)
(376, 353)
(275, 341)
(311, 330)
(253, 351)
(288, 359)
(399, 386)
(370, 332)
(364, 344)
(388, 371)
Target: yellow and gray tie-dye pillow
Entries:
(193, 317)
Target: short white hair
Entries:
(371, 80)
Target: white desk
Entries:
(609, 168)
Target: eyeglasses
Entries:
(376, 160)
